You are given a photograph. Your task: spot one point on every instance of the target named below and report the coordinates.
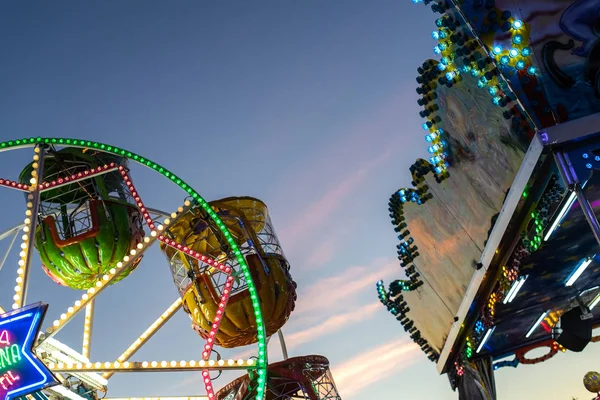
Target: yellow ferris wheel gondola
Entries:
(248, 221)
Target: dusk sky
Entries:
(309, 105)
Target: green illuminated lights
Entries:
(9, 356)
(262, 354)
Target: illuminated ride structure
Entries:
(498, 233)
(91, 227)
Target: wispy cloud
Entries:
(323, 253)
(332, 324)
(367, 368)
(332, 290)
(315, 215)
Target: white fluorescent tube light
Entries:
(519, 285)
(594, 302)
(512, 289)
(537, 323)
(561, 215)
(485, 338)
(583, 264)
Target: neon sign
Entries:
(21, 372)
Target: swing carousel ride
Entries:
(91, 229)
(499, 231)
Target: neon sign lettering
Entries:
(8, 380)
(21, 372)
(4, 338)
(9, 356)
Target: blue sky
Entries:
(309, 105)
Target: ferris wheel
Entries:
(90, 227)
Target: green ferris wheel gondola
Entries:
(70, 161)
(85, 227)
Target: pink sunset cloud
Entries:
(315, 215)
(334, 289)
(332, 324)
(369, 367)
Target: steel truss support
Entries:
(148, 333)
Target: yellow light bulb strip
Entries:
(153, 366)
(148, 333)
(158, 398)
(88, 323)
(31, 214)
(105, 281)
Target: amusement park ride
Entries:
(90, 227)
(499, 233)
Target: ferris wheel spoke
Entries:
(171, 243)
(14, 185)
(148, 333)
(158, 398)
(101, 284)
(154, 366)
(210, 342)
(10, 246)
(33, 206)
(77, 177)
(88, 323)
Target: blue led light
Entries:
(497, 100)
(513, 53)
(526, 52)
(497, 49)
(450, 75)
(597, 158)
(517, 24)
(435, 35)
(520, 65)
(443, 46)
(504, 60)
(588, 166)
(517, 39)
(441, 67)
(493, 90)
(437, 50)
(585, 155)
(532, 70)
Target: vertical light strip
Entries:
(581, 267)
(31, 217)
(214, 329)
(594, 302)
(537, 323)
(488, 334)
(561, 215)
(88, 324)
